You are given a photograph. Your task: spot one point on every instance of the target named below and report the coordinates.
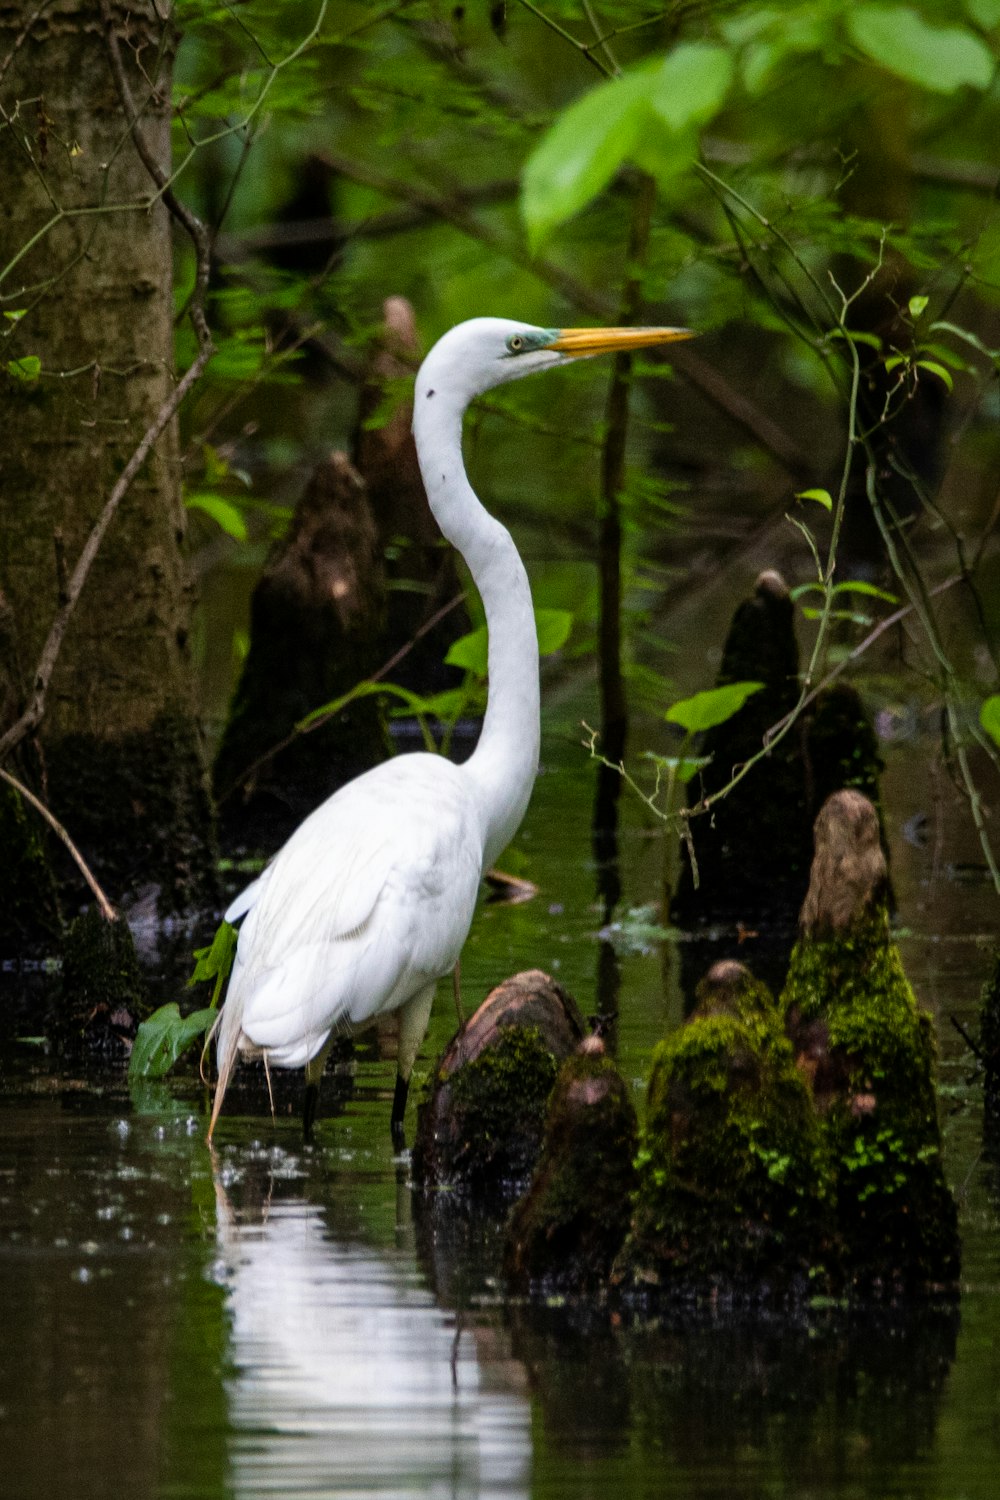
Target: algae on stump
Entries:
(567, 1230)
(734, 1194)
(870, 1055)
(482, 1125)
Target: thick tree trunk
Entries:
(87, 268)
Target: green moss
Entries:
(566, 1231)
(498, 1104)
(872, 1051)
(735, 1188)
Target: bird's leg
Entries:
(398, 1112)
(314, 1072)
(270, 1091)
(309, 1112)
(413, 1019)
(456, 984)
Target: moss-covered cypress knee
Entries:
(104, 994)
(566, 1231)
(481, 1126)
(870, 1055)
(735, 1195)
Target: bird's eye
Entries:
(515, 343)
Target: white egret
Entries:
(369, 902)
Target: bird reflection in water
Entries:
(347, 1378)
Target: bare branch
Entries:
(107, 910)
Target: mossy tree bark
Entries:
(85, 259)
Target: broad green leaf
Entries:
(222, 511)
(934, 368)
(664, 154)
(985, 13)
(26, 369)
(989, 717)
(940, 58)
(822, 497)
(553, 626)
(917, 306)
(968, 338)
(715, 706)
(581, 152)
(790, 34)
(163, 1037)
(856, 336)
(470, 652)
(691, 86)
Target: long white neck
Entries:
(505, 761)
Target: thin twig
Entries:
(972, 1045)
(107, 910)
(301, 729)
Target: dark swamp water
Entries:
(270, 1320)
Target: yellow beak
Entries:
(579, 342)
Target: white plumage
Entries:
(369, 902)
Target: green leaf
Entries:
(989, 717)
(680, 767)
(470, 652)
(691, 85)
(222, 511)
(856, 336)
(706, 710)
(917, 306)
(163, 1037)
(934, 368)
(581, 152)
(985, 13)
(553, 626)
(940, 58)
(216, 960)
(26, 369)
(822, 497)
(858, 586)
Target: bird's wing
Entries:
(370, 899)
(241, 904)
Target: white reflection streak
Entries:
(345, 1379)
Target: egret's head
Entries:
(484, 352)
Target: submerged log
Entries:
(735, 1196)
(869, 1053)
(481, 1127)
(565, 1233)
